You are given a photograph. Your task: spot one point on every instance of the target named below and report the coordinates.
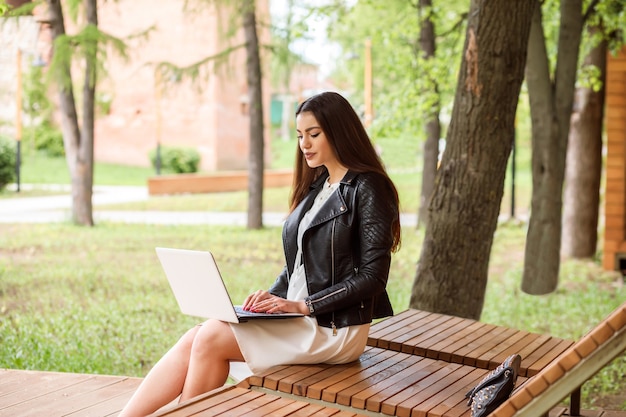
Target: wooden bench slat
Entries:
(433, 347)
(397, 339)
(476, 329)
(413, 395)
(418, 383)
(50, 382)
(414, 337)
(495, 338)
(401, 381)
(330, 393)
(419, 345)
(242, 404)
(287, 384)
(271, 381)
(315, 390)
(441, 336)
(278, 407)
(436, 392)
(371, 379)
(522, 345)
(477, 344)
(546, 354)
(382, 329)
(204, 402)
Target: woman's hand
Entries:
(264, 302)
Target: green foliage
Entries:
(7, 161)
(36, 103)
(610, 15)
(40, 133)
(177, 160)
(25, 9)
(46, 138)
(404, 82)
(90, 44)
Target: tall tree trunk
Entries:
(255, 96)
(452, 273)
(78, 147)
(583, 169)
(433, 126)
(550, 109)
(82, 182)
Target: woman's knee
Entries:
(215, 338)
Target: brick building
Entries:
(212, 119)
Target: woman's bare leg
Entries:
(197, 363)
(153, 393)
(214, 346)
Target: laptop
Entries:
(199, 288)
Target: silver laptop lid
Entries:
(197, 284)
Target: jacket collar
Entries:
(347, 179)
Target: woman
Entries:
(338, 238)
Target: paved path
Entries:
(57, 208)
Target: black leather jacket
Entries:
(346, 251)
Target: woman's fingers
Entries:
(254, 299)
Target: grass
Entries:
(39, 169)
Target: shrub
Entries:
(177, 160)
(7, 161)
(47, 138)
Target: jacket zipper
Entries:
(332, 265)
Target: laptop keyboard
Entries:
(241, 312)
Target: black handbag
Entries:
(494, 388)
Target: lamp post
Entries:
(18, 118)
(157, 104)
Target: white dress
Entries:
(267, 343)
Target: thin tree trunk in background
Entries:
(451, 275)
(255, 98)
(82, 181)
(72, 140)
(550, 109)
(433, 126)
(583, 169)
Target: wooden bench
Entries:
(35, 393)
(466, 341)
(381, 381)
(235, 401)
(214, 182)
(470, 342)
(570, 370)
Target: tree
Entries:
(255, 99)
(583, 168)
(452, 273)
(78, 141)
(551, 98)
(432, 124)
(604, 22)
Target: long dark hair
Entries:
(350, 142)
